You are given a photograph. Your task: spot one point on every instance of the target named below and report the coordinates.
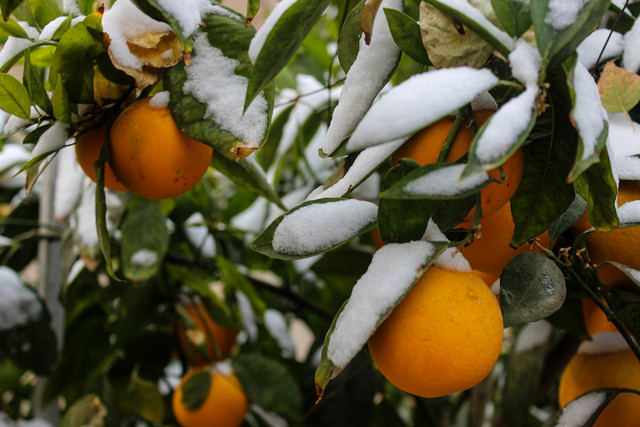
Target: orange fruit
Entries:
(205, 340)
(424, 147)
(444, 337)
(620, 244)
(594, 319)
(606, 361)
(491, 251)
(152, 156)
(88, 147)
(488, 278)
(224, 405)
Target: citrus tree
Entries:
(369, 212)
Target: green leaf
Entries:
(33, 81)
(101, 211)
(619, 89)
(406, 33)
(225, 131)
(349, 41)
(233, 278)
(247, 174)
(568, 218)
(60, 102)
(44, 11)
(269, 384)
(282, 42)
(8, 6)
(598, 187)
(290, 244)
(195, 390)
(14, 97)
(253, 7)
(514, 16)
(267, 153)
(87, 411)
(145, 399)
(145, 240)
(11, 28)
(577, 407)
(532, 287)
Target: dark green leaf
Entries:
(406, 33)
(44, 11)
(349, 41)
(8, 7)
(33, 82)
(195, 390)
(267, 153)
(568, 218)
(11, 28)
(145, 240)
(514, 16)
(60, 102)
(101, 211)
(14, 97)
(449, 213)
(282, 42)
(145, 399)
(268, 383)
(233, 278)
(531, 288)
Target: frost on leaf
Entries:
(619, 89)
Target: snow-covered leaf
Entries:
(314, 227)
(279, 39)
(585, 410)
(619, 89)
(14, 97)
(514, 15)
(439, 181)
(591, 48)
(206, 97)
(417, 102)
(393, 271)
(624, 143)
(406, 33)
(629, 214)
(541, 294)
(369, 73)
(154, 10)
(630, 56)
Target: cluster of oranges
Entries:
(206, 344)
(148, 154)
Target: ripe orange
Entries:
(444, 337)
(88, 147)
(594, 319)
(424, 147)
(620, 244)
(589, 370)
(206, 341)
(152, 156)
(225, 404)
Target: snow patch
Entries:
(160, 100)
(588, 113)
(451, 258)
(18, 305)
(533, 335)
(590, 48)
(261, 35)
(445, 182)
(604, 342)
(631, 54)
(563, 13)
(525, 61)
(144, 258)
(578, 411)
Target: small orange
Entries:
(424, 147)
(225, 404)
(491, 252)
(88, 147)
(606, 361)
(620, 244)
(207, 341)
(444, 337)
(152, 156)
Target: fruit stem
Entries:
(453, 133)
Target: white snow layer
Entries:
(578, 411)
(212, 80)
(392, 272)
(418, 102)
(277, 326)
(525, 61)
(199, 236)
(629, 213)
(321, 226)
(445, 182)
(533, 335)
(588, 114)
(68, 184)
(52, 139)
(631, 54)
(563, 13)
(590, 48)
(504, 128)
(18, 305)
(15, 45)
(604, 342)
(144, 258)
(160, 100)
(261, 35)
(366, 77)
(186, 12)
(451, 258)
(624, 143)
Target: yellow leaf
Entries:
(367, 17)
(619, 88)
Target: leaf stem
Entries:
(609, 36)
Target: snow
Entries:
(18, 305)
(49, 30)
(533, 335)
(624, 144)
(369, 159)
(391, 274)
(525, 61)
(199, 236)
(144, 258)
(249, 322)
(124, 21)
(563, 13)
(52, 139)
(477, 16)
(418, 102)
(588, 113)
(578, 411)
(590, 48)
(451, 258)
(321, 226)
(15, 45)
(160, 100)
(629, 213)
(368, 74)
(211, 79)
(261, 35)
(70, 7)
(186, 12)
(445, 182)
(504, 128)
(68, 183)
(631, 54)
(277, 326)
(603, 342)
(13, 155)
